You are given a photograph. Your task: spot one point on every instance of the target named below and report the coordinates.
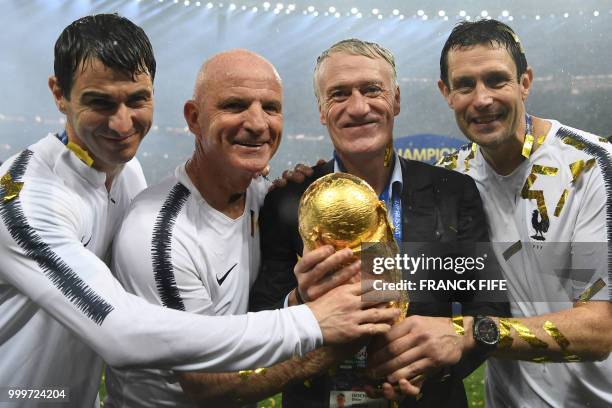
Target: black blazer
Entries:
(438, 205)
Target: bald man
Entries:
(190, 243)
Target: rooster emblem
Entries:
(540, 225)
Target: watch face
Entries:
(487, 332)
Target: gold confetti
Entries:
(573, 142)
(307, 384)
(542, 359)
(579, 166)
(537, 195)
(525, 333)
(514, 37)
(449, 162)
(541, 140)
(592, 290)
(244, 374)
(552, 330)
(513, 249)
(572, 358)
(80, 153)
(11, 188)
(527, 186)
(505, 339)
(561, 202)
(576, 168)
(458, 325)
(388, 154)
(469, 157)
(590, 163)
(527, 146)
(544, 170)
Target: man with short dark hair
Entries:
(61, 201)
(547, 193)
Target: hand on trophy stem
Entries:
(398, 391)
(343, 316)
(415, 348)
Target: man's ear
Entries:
(191, 114)
(396, 101)
(445, 92)
(525, 83)
(58, 94)
(321, 115)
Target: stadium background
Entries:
(567, 44)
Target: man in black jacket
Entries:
(356, 87)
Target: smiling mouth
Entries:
(118, 138)
(486, 119)
(251, 144)
(355, 125)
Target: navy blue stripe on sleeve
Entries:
(60, 274)
(161, 247)
(604, 161)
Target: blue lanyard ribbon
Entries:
(63, 137)
(395, 205)
(528, 124)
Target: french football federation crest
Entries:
(540, 225)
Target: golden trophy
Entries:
(342, 210)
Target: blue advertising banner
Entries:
(426, 147)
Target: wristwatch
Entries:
(485, 332)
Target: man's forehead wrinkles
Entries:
(247, 92)
(350, 83)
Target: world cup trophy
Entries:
(343, 210)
